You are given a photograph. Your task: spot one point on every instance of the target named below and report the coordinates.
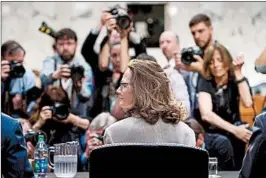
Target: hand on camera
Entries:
(110, 23)
(238, 62)
(104, 17)
(63, 72)
(46, 113)
(196, 66)
(5, 69)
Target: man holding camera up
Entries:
(16, 80)
(101, 72)
(73, 74)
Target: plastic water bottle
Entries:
(41, 158)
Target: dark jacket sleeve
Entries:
(255, 159)
(260, 121)
(87, 51)
(15, 163)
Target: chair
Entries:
(148, 160)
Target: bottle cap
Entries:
(41, 138)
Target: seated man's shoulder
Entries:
(8, 124)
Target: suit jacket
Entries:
(134, 130)
(255, 159)
(14, 158)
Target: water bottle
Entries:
(40, 158)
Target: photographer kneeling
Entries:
(219, 98)
(53, 116)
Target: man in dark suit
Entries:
(14, 158)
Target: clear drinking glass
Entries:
(65, 159)
(213, 164)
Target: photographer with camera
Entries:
(103, 71)
(52, 115)
(219, 96)
(73, 74)
(191, 61)
(16, 81)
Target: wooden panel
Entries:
(248, 114)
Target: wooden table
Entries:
(223, 174)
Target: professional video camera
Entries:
(187, 55)
(16, 69)
(60, 111)
(47, 30)
(77, 73)
(122, 18)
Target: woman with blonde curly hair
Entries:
(153, 115)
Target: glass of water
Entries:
(213, 164)
(65, 159)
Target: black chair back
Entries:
(148, 160)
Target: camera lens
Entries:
(61, 111)
(124, 22)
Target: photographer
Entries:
(191, 61)
(219, 98)
(16, 80)
(53, 116)
(102, 77)
(73, 74)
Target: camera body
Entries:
(77, 73)
(16, 69)
(187, 55)
(60, 111)
(122, 18)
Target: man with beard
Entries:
(57, 71)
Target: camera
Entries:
(16, 69)
(60, 111)
(187, 55)
(77, 73)
(122, 18)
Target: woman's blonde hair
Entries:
(225, 55)
(153, 98)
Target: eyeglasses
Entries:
(123, 85)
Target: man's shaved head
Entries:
(169, 42)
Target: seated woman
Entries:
(153, 115)
(219, 98)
